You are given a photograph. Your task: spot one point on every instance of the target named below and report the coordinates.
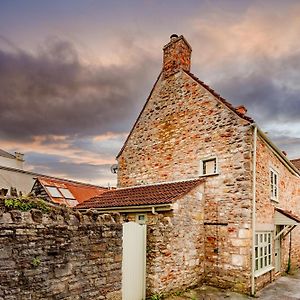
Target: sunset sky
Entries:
(75, 74)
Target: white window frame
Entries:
(263, 250)
(206, 159)
(274, 186)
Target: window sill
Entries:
(263, 271)
(209, 175)
(274, 200)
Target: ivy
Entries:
(25, 204)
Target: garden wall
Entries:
(61, 255)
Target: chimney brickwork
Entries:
(177, 56)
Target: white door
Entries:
(134, 261)
(277, 250)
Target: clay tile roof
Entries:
(224, 101)
(80, 191)
(288, 214)
(296, 163)
(163, 193)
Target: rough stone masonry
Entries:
(61, 255)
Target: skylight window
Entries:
(66, 193)
(53, 191)
(71, 203)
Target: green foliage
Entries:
(25, 204)
(36, 262)
(156, 297)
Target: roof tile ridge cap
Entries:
(218, 96)
(160, 183)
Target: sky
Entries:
(74, 74)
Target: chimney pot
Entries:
(19, 156)
(241, 109)
(173, 37)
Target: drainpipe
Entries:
(153, 211)
(253, 209)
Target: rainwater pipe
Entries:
(253, 208)
(153, 211)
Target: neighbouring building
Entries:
(230, 199)
(63, 191)
(53, 189)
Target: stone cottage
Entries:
(230, 199)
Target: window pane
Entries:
(66, 193)
(53, 191)
(71, 203)
(209, 166)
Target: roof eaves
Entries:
(125, 143)
(290, 165)
(288, 214)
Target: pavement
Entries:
(284, 288)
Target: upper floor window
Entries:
(209, 166)
(274, 185)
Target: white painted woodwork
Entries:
(134, 262)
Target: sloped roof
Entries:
(80, 191)
(288, 214)
(163, 193)
(6, 154)
(296, 163)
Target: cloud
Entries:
(52, 92)
(55, 164)
(253, 58)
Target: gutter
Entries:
(253, 209)
(278, 152)
(128, 209)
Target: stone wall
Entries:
(288, 199)
(175, 246)
(181, 124)
(59, 256)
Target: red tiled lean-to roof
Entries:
(288, 214)
(296, 163)
(81, 191)
(163, 193)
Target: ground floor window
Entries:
(263, 251)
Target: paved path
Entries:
(284, 288)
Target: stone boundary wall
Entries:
(61, 255)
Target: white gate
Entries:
(134, 262)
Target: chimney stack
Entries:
(177, 56)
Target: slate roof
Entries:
(296, 163)
(80, 191)
(288, 214)
(164, 193)
(6, 154)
